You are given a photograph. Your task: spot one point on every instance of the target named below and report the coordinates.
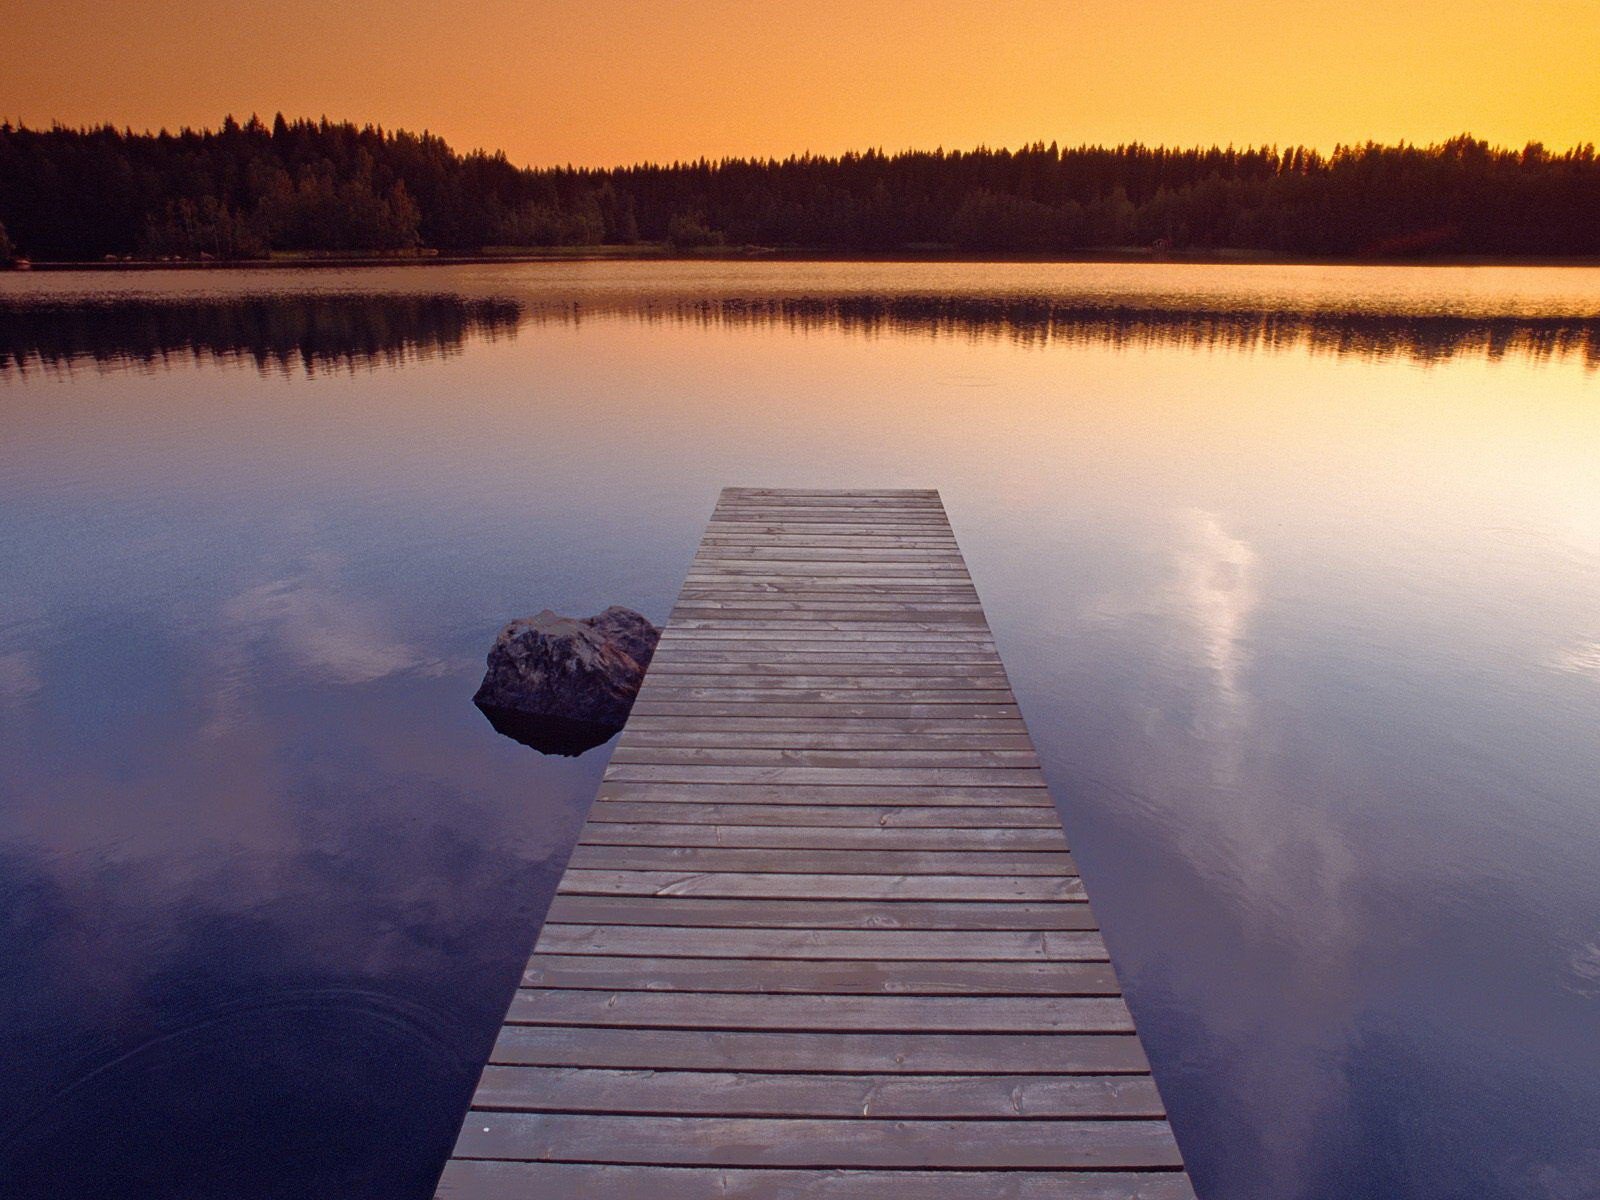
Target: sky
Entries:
(597, 84)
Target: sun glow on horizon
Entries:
(558, 82)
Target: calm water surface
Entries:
(1296, 571)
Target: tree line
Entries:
(245, 190)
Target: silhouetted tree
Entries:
(687, 231)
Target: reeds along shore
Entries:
(283, 332)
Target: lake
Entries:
(1296, 571)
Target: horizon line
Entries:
(1061, 146)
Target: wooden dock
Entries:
(821, 936)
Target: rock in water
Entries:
(569, 671)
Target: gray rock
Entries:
(577, 669)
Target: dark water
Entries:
(1296, 570)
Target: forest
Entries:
(247, 190)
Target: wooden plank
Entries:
(891, 863)
(924, 628)
(889, 1053)
(741, 661)
(909, 591)
(485, 1179)
(813, 1142)
(872, 510)
(794, 600)
(822, 837)
(715, 553)
(825, 739)
(687, 682)
(868, 977)
(928, 497)
(725, 1093)
(993, 777)
(811, 705)
(837, 541)
(841, 613)
(864, 608)
(797, 514)
(780, 886)
(822, 935)
(687, 911)
(800, 518)
(877, 795)
(878, 945)
(823, 573)
(785, 493)
(992, 816)
(695, 666)
(801, 639)
(855, 757)
(861, 1014)
(787, 499)
(878, 726)
(904, 698)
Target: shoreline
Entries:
(659, 253)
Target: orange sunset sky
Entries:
(598, 83)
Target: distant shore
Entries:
(661, 252)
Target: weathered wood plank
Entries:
(799, 514)
(879, 945)
(891, 863)
(790, 638)
(485, 1179)
(887, 724)
(821, 837)
(819, 573)
(867, 977)
(787, 668)
(968, 739)
(800, 519)
(869, 608)
(903, 698)
(811, 1142)
(838, 541)
(910, 591)
(723, 1093)
(787, 498)
(716, 553)
(869, 758)
(992, 816)
(852, 616)
(870, 601)
(859, 1014)
(797, 657)
(889, 1053)
(932, 631)
(779, 886)
(817, 914)
(808, 640)
(876, 795)
(697, 684)
(994, 777)
(785, 493)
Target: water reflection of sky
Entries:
(1307, 641)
